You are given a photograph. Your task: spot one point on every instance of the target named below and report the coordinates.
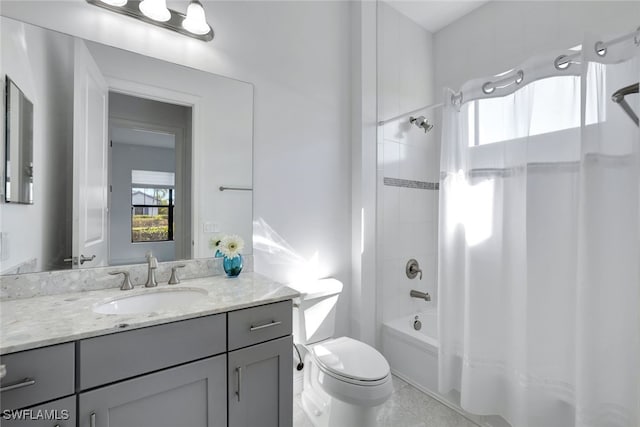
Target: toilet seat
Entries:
(350, 371)
(351, 361)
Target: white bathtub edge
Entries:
(420, 342)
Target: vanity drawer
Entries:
(35, 376)
(123, 355)
(258, 324)
(59, 413)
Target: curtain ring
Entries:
(487, 89)
(560, 63)
(519, 77)
(601, 51)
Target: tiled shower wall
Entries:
(408, 165)
(408, 211)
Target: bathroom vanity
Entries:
(222, 361)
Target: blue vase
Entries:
(232, 266)
(218, 254)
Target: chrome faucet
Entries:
(126, 281)
(153, 265)
(422, 295)
(174, 280)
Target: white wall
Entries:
(297, 56)
(502, 34)
(407, 216)
(41, 231)
(405, 64)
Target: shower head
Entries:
(421, 122)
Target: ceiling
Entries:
(434, 15)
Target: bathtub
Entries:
(412, 354)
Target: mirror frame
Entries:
(14, 112)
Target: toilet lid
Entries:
(352, 359)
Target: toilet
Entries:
(344, 380)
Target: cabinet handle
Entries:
(239, 377)
(24, 383)
(92, 420)
(267, 325)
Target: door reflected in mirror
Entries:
(149, 159)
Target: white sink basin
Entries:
(160, 300)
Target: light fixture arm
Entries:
(132, 9)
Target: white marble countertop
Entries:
(40, 321)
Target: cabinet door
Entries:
(261, 385)
(192, 395)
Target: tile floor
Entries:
(407, 407)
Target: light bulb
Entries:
(196, 22)
(115, 2)
(156, 10)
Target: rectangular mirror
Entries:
(129, 155)
(18, 180)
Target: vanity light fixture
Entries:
(155, 9)
(115, 2)
(196, 22)
(193, 24)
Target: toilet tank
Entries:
(314, 312)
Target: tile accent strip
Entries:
(406, 183)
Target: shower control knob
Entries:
(413, 268)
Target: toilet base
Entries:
(326, 411)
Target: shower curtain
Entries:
(539, 245)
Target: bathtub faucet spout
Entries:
(422, 295)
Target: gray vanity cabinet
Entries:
(190, 395)
(261, 385)
(225, 370)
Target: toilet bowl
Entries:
(344, 380)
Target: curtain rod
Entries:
(562, 62)
(426, 107)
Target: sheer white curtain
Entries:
(539, 246)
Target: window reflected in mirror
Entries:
(152, 208)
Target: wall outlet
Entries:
(210, 227)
